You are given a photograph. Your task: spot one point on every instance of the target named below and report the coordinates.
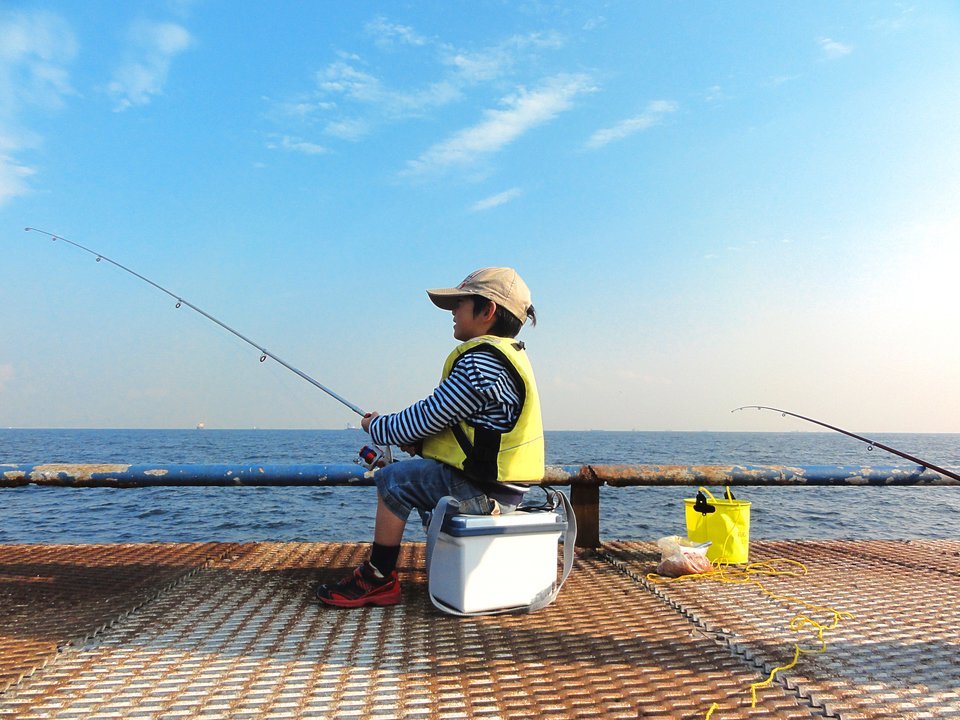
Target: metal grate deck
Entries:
(898, 657)
(53, 594)
(230, 631)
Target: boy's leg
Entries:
(388, 529)
(419, 485)
(401, 487)
(375, 582)
(387, 535)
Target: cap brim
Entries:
(446, 298)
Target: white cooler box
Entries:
(486, 562)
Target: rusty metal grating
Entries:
(241, 638)
(54, 594)
(898, 657)
(929, 555)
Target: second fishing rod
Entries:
(264, 353)
(871, 444)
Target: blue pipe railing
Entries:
(165, 475)
(160, 475)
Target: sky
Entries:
(714, 205)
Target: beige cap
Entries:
(502, 285)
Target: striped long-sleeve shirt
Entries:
(480, 389)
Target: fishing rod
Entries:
(871, 443)
(264, 353)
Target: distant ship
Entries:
(200, 426)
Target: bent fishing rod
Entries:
(871, 443)
(264, 353)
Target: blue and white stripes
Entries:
(480, 389)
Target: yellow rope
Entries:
(723, 572)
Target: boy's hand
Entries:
(367, 419)
(412, 449)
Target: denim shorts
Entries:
(420, 483)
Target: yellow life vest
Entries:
(488, 455)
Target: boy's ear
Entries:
(489, 311)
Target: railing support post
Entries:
(585, 499)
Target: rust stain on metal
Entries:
(79, 474)
(558, 475)
(14, 478)
(621, 475)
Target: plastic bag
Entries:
(679, 556)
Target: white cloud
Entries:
(778, 80)
(648, 118)
(522, 112)
(344, 79)
(13, 178)
(6, 375)
(833, 49)
(385, 33)
(595, 23)
(295, 144)
(348, 129)
(497, 60)
(153, 49)
(35, 50)
(351, 101)
(496, 200)
(895, 23)
(341, 78)
(480, 66)
(715, 94)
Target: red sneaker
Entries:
(365, 586)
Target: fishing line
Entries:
(804, 619)
(264, 353)
(871, 443)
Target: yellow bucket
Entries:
(724, 523)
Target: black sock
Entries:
(384, 558)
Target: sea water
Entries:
(33, 514)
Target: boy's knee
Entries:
(395, 503)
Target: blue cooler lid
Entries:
(515, 523)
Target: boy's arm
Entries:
(473, 383)
(411, 449)
(449, 403)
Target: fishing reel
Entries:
(374, 456)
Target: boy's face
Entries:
(466, 325)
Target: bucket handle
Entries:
(702, 506)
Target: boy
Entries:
(479, 431)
